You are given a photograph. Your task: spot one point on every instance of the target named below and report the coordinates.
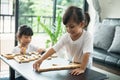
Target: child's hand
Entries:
(23, 50)
(41, 51)
(77, 71)
(37, 64)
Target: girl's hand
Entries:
(23, 50)
(77, 71)
(37, 64)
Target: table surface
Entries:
(26, 70)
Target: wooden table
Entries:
(26, 70)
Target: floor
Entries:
(112, 74)
(108, 68)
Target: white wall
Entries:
(6, 43)
(100, 9)
(110, 8)
(107, 8)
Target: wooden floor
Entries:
(107, 68)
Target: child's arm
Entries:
(85, 60)
(37, 64)
(80, 70)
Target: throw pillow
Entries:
(115, 47)
(103, 36)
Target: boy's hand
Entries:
(77, 71)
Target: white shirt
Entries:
(75, 49)
(30, 48)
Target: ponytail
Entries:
(87, 19)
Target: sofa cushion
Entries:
(118, 63)
(110, 60)
(102, 56)
(115, 47)
(99, 55)
(103, 36)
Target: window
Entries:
(63, 4)
(6, 7)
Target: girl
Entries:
(77, 41)
(24, 36)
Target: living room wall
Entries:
(107, 8)
(101, 9)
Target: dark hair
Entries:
(87, 19)
(76, 14)
(24, 30)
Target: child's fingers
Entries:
(77, 71)
(36, 65)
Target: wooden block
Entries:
(27, 58)
(59, 67)
(21, 58)
(54, 56)
(8, 56)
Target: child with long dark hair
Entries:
(77, 41)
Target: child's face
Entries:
(25, 40)
(73, 28)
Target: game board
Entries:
(22, 58)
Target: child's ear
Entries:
(82, 24)
(18, 37)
